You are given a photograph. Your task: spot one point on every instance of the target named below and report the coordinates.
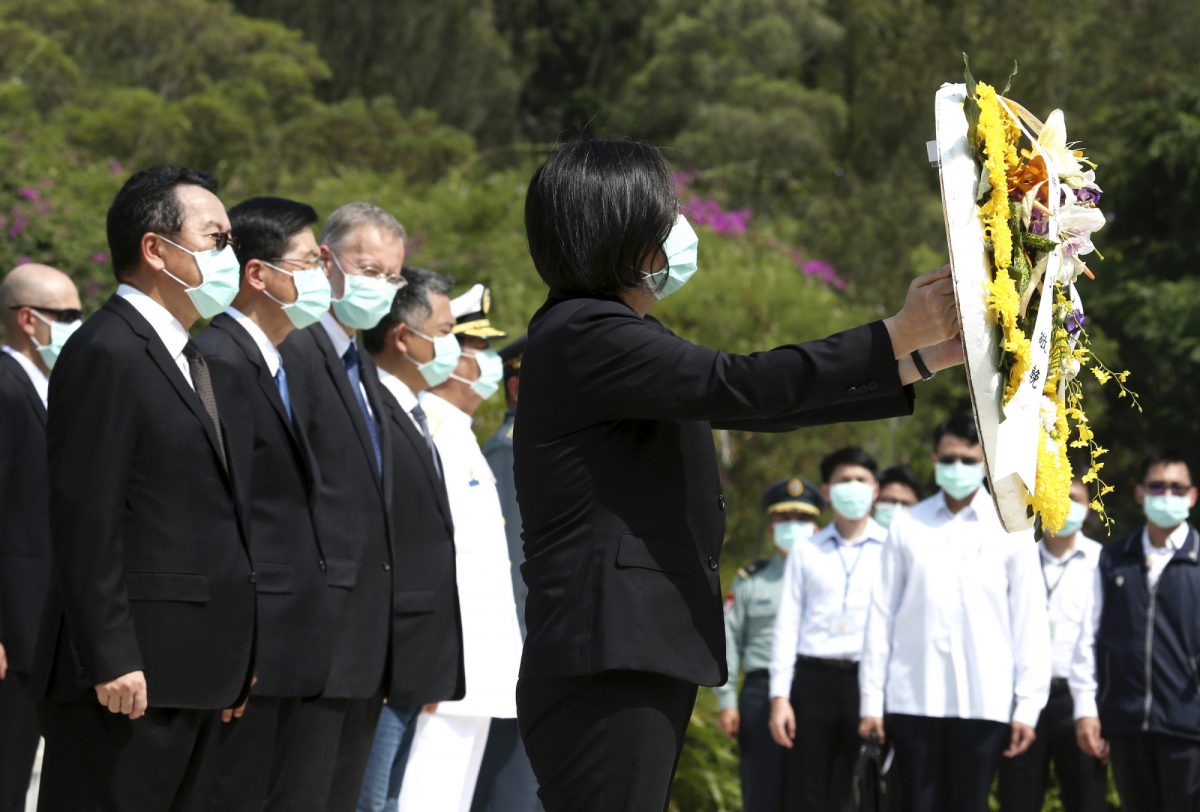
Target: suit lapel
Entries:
(35, 402)
(402, 423)
(336, 369)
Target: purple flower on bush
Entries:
(1075, 321)
(19, 222)
(115, 167)
(100, 257)
(1089, 194)
(28, 193)
(91, 288)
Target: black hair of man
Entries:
(1164, 456)
(262, 226)
(851, 455)
(902, 475)
(961, 426)
(595, 211)
(411, 305)
(148, 203)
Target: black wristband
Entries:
(919, 363)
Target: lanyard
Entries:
(1062, 574)
(849, 571)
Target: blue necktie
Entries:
(350, 357)
(281, 385)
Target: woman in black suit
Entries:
(617, 477)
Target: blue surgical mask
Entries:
(446, 351)
(59, 333)
(958, 479)
(312, 296)
(852, 499)
(886, 512)
(680, 249)
(1166, 510)
(220, 277)
(787, 533)
(491, 372)
(1075, 518)
(365, 299)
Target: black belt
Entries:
(1059, 685)
(758, 673)
(821, 662)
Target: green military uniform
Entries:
(750, 622)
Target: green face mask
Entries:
(220, 277)
(1166, 510)
(365, 299)
(312, 296)
(958, 479)
(59, 333)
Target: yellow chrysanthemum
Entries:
(1051, 497)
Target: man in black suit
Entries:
(150, 632)
(412, 347)
(39, 306)
(338, 406)
(283, 286)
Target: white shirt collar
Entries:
(172, 334)
(1079, 549)
(875, 532)
(979, 507)
(399, 389)
(337, 334)
(41, 383)
(265, 347)
(1175, 541)
(446, 411)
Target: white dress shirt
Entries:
(401, 392)
(41, 383)
(957, 626)
(827, 585)
(269, 353)
(1068, 582)
(341, 342)
(1083, 664)
(168, 329)
(491, 637)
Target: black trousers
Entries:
(506, 781)
(98, 761)
(820, 765)
(945, 765)
(1156, 773)
(1082, 780)
(252, 756)
(19, 733)
(607, 742)
(762, 760)
(326, 745)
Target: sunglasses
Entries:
(1158, 488)
(947, 459)
(65, 315)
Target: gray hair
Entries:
(411, 305)
(347, 219)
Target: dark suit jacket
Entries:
(618, 484)
(24, 514)
(350, 510)
(275, 478)
(150, 555)
(427, 644)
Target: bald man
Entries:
(39, 308)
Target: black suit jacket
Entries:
(275, 478)
(618, 484)
(350, 510)
(150, 555)
(427, 644)
(24, 514)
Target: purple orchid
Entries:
(1075, 321)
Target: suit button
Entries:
(720, 501)
(851, 390)
(386, 566)
(872, 386)
(253, 577)
(712, 563)
(321, 564)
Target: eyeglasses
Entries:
(948, 459)
(397, 279)
(303, 262)
(1158, 488)
(221, 241)
(65, 315)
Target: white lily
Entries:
(1053, 141)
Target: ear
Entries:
(511, 388)
(400, 337)
(1140, 495)
(252, 275)
(1192, 497)
(825, 492)
(152, 251)
(27, 321)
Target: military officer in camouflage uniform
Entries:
(793, 507)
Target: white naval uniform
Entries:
(448, 745)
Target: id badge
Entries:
(843, 624)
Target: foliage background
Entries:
(798, 127)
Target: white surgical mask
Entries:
(59, 333)
(220, 277)
(1166, 510)
(958, 479)
(681, 250)
(491, 372)
(365, 299)
(852, 499)
(886, 512)
(446, 351)
(1074, 522)
(312, 295)
(787, 533)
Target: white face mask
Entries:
(59, 333)
(220, 278)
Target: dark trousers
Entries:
(98, 761)
(1082, 780)
(251, 756)
(945, 765)
(761, 764)
(506, 781)
(19, 733)
(1156, 773)
(327, 746)
(820, 765)
(607, 742)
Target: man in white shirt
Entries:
(957, 646)
(1135, 677)
(1069, 560)
(827, 586)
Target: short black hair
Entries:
(147, 203)
(262, 226)
(1164, 456)
(960, 425)
(410, 305)
(851, 455)
(902, 475)
(595, 210)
